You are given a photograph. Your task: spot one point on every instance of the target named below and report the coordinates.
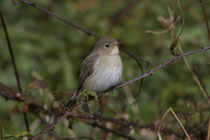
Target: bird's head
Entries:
(107, 45)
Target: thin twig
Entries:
(123, 122)
(198, 82)
(1, 135)
(59, 18)
(206, 18)
(10, 94)
(11, 53)
(112, 131)
(188, 137)
(174, 43)
(79, 138)
(208, 135)
(165, 114)
(14, 65)
(161, 122)
(151, 72)
(171, 28)
(52, 133)
(25, 117)
(52, 125)
(139, 64)
(196, 79)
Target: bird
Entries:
(101, 70)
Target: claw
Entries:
(87, 93)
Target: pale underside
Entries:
(107, 72)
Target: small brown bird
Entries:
(101, 69)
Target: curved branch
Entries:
(59, 18)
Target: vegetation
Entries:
(49, 54)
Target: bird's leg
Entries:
(87, 93)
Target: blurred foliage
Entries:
(54, 51)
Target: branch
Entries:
(174, 43)
(10, 94)
(112, 131)
(59, 18)
(11, 53)
(171, 28)
(197, 80)
(79, 138)
(52, 125)
(151, 72)
(170, 109)
(205, 18)
(14, 66)
(124, 123)
(138, 63)
(208, 134)
(1, 135)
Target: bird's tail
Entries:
(72, 101)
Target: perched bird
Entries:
(101, 69)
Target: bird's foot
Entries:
(88, 94)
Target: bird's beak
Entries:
(118, 43)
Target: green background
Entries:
(55, 50)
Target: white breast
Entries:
(107, 73)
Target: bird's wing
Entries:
(87, 68)
(86, 71)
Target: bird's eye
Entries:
(107, 45)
